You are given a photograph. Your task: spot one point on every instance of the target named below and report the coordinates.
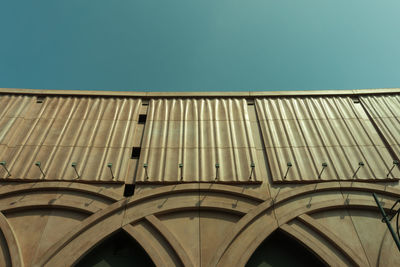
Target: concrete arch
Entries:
(12, 242)
(170, 238)
(153, 253)
(326, 257)
(253, 228)
(311, 189)
(59, 186)
(44, 204)
(331, 237)
(170, 190)
(74, 203)
(132, 210)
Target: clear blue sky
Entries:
(200, 45)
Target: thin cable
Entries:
(397, 223)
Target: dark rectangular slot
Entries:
(39, 99)
(142, 118)
(135, 153)
(250, 101)
(129, 190)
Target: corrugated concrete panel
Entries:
(385, 112)
(89, 131)
(308, 131)
(198, 133)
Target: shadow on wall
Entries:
(281, 250)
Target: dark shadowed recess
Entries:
(281, 250)
(117, 250)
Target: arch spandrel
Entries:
(256, 218)
(254, 227)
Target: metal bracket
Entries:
(39, 164)
(3, 163)
(289, 165)
(109, 165)
(73, 165)
(360, 164)
(387, 219)
(216, 170)
(324, 165)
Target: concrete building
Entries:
(198, 179)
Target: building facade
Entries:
(198, 179)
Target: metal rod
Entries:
(40, 168)
(181, 168)
(145, 170)
(216, 171)
(289, 164)
(395, 163)
(42, 171)
(391, 209)
(390, 171)
(355, 173)
(3, 163)
(385, 218)
(252, 165)
(324, 165)
(76, 171)
(360, 164)
(109, 165)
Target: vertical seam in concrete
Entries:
(358, 236)
(135, 136)
(125, 207)
(34, 259)
(269, 174)
(199, 225)
(354, 227)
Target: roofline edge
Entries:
(246, 94)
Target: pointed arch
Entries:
(275, 251)
(12, 242)
(142, 239)
(261, 221)
(119, 249)
(124, 212)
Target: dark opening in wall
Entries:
(129, 190)
(274, 252)
(250, 101)
(120, 249)
(135, 152)
(40, 99)
(142, 118)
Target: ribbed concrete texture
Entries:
(206, 139)
(310, 131)
(385, 113)
(58, 131)
(183, 210)
(198, 133)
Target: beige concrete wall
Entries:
(55, 224)
(57, 220)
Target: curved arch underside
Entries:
(204, 225)
(279, 249)
(117, 250)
